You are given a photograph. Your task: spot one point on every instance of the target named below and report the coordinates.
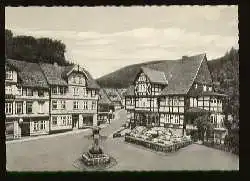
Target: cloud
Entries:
(102, 53)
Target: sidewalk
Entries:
(24, 139)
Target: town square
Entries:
(134, 95)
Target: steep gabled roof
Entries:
(180, 74)
(30, 74)
(155, 76)
(56, 75)
(104, 98)
(53, 74)
(183, 75)
(112, 94)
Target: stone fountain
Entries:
(95, 158)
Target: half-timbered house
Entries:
(26, 100)
(73, 96)
(166, 93)
(105, 108)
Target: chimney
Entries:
(184, 58)
(55, 64)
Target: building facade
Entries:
(114, 97)
(44, 98)
(73, 97)
(166, 93)
(26, 100)
(105, 108)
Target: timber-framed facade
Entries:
(166, 94)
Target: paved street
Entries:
(58, 154)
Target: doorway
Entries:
(75, 120)
(25, 128)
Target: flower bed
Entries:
(158, 146)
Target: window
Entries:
(29, 92)
(54, 91)
(24, 92)
(62, 104)
(42, 125)
(8, 108)
(19, 107)
(69, 120)
(41, 107)
(40, 93)
(176, 102)
(74, 79)
(76, 91)
(64, 120)
(54, 104)
(93, 93)
(84, 92)
(62, 90)
(85, 105)
(19, 91)
(29, 107)
(93, 105)
(204, 88)
(76, 105)
(8, 90)
(36, 127)
(9, 75)
(83, 81)
(54, 120)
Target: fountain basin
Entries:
(90, 159)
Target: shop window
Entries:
(36, 126)
(64, 120)
(54, 120)
(42, 125)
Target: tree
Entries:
(28, 48)
(204, 126)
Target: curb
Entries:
(50, 135)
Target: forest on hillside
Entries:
(31, 49)
(225, 71)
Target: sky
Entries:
(104, 39)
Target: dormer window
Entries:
(204, 88)
(195, 86)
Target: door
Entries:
(75, 119)
(25, 129)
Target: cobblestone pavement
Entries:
(58, 153)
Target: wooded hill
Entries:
(224, 71)
(28, 48)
